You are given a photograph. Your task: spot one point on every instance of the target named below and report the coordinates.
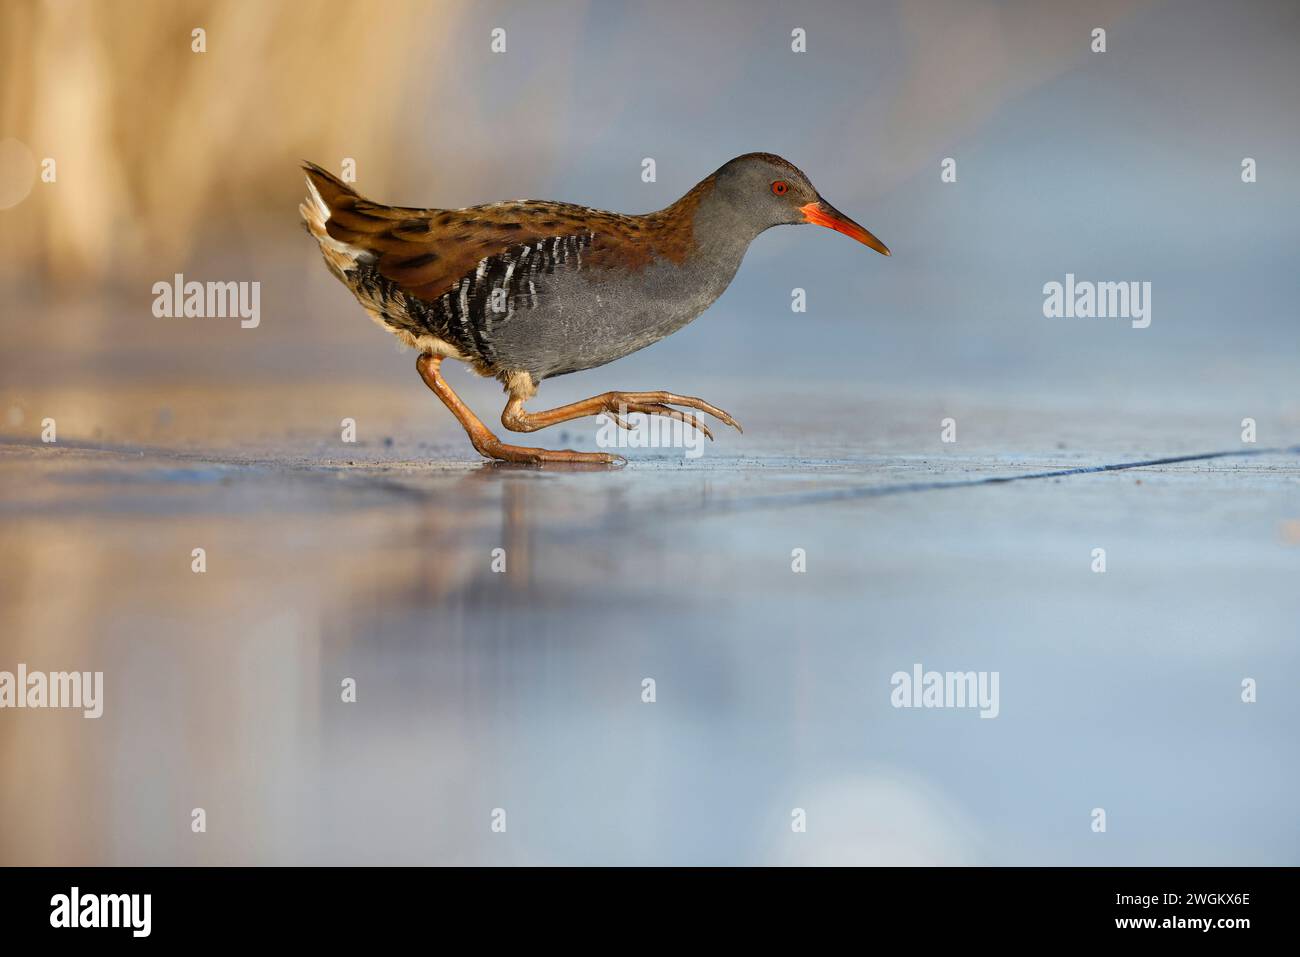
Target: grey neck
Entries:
(721, 238)
(724, 231)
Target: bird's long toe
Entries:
(662, 400)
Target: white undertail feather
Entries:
(339, 256)
(318, 203)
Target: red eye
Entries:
(780, 187)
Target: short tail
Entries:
(326, 192)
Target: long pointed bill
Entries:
(824, 214)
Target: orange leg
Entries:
(484, 441)
(615, 405)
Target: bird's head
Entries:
(770, 191)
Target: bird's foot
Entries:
(616, 405)
(491, 447)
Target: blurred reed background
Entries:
(159, 146)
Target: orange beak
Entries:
(824, 214)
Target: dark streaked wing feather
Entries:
(427, 252)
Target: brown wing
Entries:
(426, 252)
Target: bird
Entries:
(527, 290)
